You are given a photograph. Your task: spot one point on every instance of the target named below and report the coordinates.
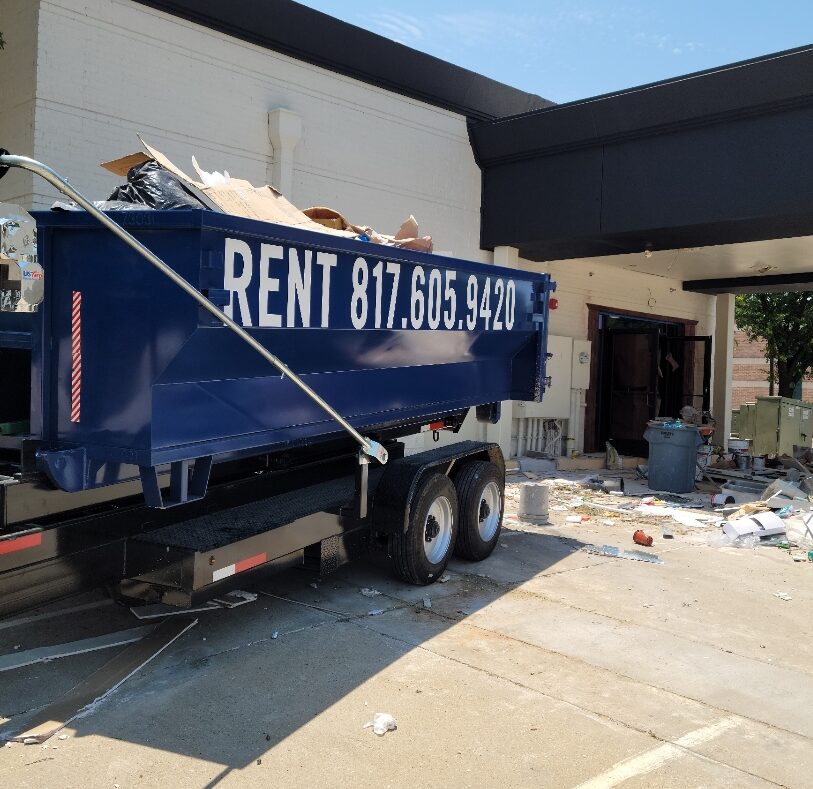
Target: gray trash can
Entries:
(672, 456)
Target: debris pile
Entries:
(778, 513)
(154, 182)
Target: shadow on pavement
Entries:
(243, 680)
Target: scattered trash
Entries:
(375, 612)
(614, 485)
(577, 518)
(370, 592)
(640, 537)
(275, 634)
(444, 578)
(235, 598)
(314, 585)
(427, 602)
(613, 460)
(763, 524)
(799, 530)
(85, 696)
(619, 553)
(667, 533)
(62, 737)
(782, 596)
(29, 657)
(608, 522)
(161, 610)
(381, 723)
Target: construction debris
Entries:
(162, 610)
(153, 181)
(44, 654)
(618, 553)
(640, 537)
(85, 696)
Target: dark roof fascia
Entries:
(778, 283)
(321, 40)
(761, 85)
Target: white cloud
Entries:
(400, 27)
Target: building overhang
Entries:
(714, 160)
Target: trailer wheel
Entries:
(480, 492)
(421, 554)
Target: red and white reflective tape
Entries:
(239, 567)
(76, 356)
(20, 543)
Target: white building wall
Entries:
(111, 68)
(18, 77)
(103, 70)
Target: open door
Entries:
(631, 396)
(686, 366)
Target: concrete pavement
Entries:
(543, 666)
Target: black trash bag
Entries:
(150, 184)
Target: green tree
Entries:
(785, 322)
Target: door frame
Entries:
(593, 313)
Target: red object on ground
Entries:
(642, 538)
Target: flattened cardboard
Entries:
(123, 165)
(239, 197)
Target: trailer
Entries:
(194, 399)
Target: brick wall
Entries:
(750, 372)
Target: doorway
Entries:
(644, 367)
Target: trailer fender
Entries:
(394, 494)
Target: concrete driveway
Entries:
(542, 666)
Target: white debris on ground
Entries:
(785, 523)
(381, 723)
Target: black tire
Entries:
(410, 558)
(476, 482)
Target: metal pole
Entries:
(369, 447)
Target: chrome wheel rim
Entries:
(488, 511)
(437, 530)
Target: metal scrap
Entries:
(619, 553)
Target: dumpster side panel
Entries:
(386, 336)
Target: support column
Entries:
(284, 132)
(501, 432)
(723, 372)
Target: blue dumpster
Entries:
(129, 373)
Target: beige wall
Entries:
(18, 77)
(582, 282)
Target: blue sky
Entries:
(572, 50)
